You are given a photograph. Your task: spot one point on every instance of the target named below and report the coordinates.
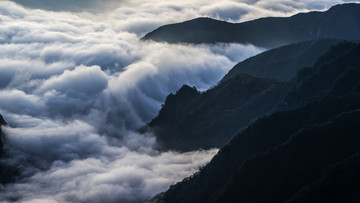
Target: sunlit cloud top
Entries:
(139, 16)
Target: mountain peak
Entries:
(306, 153)
(2, 120)
(341, 22)
(340, 7)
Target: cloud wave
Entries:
(75, 87)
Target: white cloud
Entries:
(18, 102)
(51, 140)
(76, 90)
(140, 17)
(83, 80)
(75, 87)
(112, 174)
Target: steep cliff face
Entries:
(8, 173)
(2, 123)
(341, 21)
(189, 121)
(292, 155)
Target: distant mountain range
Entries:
(341, 22)
(308, 153)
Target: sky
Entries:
(76, 84)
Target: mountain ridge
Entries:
(282, 63)
(269, 32)
(197, 120)
(267, 157)
(190, 124)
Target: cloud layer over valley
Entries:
(143, 16)
(76, 86)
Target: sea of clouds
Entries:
(76, 84)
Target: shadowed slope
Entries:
(190, 120)
(282, 63)
(277, 157)
(211, 118)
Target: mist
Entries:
(76, 84)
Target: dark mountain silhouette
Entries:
(341, 22)
(307, 152)
(280, 172)
(8, 173)
(190, 120)
(2, 137)
(320, 80)
(284, 62)
(339, 183)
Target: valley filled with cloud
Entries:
(77, 83)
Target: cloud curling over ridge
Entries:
(75, 87)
